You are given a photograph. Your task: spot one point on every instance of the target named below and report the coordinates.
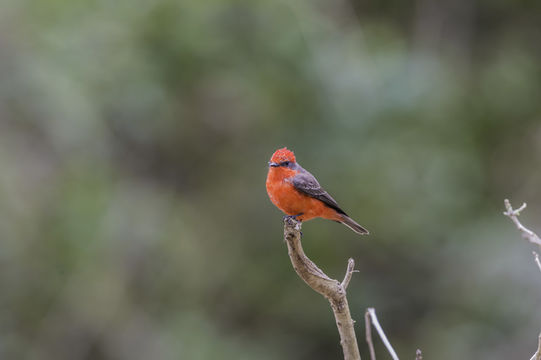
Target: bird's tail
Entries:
(350, 223)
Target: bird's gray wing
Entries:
(306, 183)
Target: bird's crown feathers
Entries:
(282, 155)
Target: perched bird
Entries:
(298, 194)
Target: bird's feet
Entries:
(293, 216)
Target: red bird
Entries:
(297, 193)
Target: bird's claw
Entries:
(295, 217)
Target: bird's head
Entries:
(282, 158)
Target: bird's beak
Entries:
(273, 164)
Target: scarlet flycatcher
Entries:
(297, 193)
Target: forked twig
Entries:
(374, 319)
(333, 290)
(534, 239)
(526, 233)
(513, 215)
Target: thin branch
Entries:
(534, 239)
(368, 330)
(513, 215)
(349, 273)
(331, 289)
(537, 355)
(382, 335)
(418, 355)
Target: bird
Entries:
(298, 194)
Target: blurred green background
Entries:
(134, 140)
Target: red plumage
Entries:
(297, 192)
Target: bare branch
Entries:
(513, 215)
(534, 239)
(331, 289)
(349, 273)
(537, 355)
(368, 329)
(382, 335)
(418, 355)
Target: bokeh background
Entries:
(134, 140)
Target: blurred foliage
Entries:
(134, 137)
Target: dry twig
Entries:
(331, 289)
(374, 319)
(513, 215)
(526, 233)
(531, 237)
(537, 355)
(368, 330)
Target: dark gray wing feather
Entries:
(306, 183)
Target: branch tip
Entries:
(349, 273)
(513, 215)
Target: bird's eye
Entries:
(285, 163)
